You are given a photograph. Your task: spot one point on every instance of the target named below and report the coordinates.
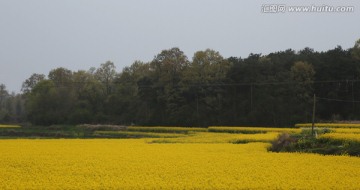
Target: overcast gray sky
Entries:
(39, 35)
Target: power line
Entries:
(69, 84)
(338, 100)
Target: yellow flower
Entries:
(135, 164)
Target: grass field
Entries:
(173, 158)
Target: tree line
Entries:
(259, 90)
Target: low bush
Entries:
(309, 144)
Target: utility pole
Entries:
(251, 96)
(353, 97)
(313, 116)
(197, 108)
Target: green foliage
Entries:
(80, 116)
(52, 131)
(318, 131)
(259, 90)
(31, 82)
(307, 143)
(355, 52)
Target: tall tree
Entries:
(167, 68)
(61, 77)
(201, 82)
(123, 104)
(31, 82)
(4, 95)
(43, 103)
(302, 74)
(356, 50)
(106, 74)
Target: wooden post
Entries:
(313, 117)
(251, 97)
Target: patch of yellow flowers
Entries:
(252, 129)
(208, 137)
(135, 164)
(347, 130)
(9, 126)
(161, 129)
(342, 136)
(329, 125)
(140, 134)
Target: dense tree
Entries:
(11, 106)
(88, 97)
(201, 85)
(31, 82)
(61, 77)
(356, 50)
(106, 74)
(261, 90)
(42, 104)
(302, 73)
(4, 94)
(166, 72)
(124, 104)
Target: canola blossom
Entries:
(208, 137)
(10, 126)
(346, 130)
(329, 125)
(252, 129)
(166, 129)
(135, 164)
(136, 134)
(342, 136)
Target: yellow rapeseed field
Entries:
(139, 134)
(346, 130)
(252, 129)
(135, 164)
(161, 129)
(208, 137)
(342, 136)
(329, 125)
(9, 126)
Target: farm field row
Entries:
(329, 125)
(342, 136)
(209, 137)
(225, 129)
